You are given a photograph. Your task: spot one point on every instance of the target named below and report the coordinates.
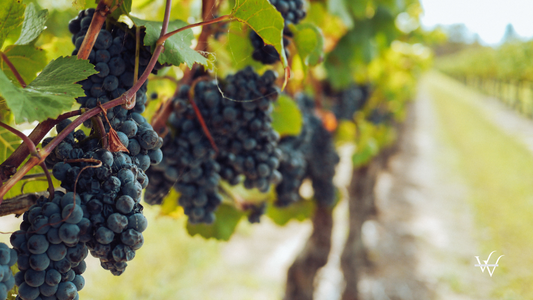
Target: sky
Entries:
(488, 18)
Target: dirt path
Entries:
(422, 243)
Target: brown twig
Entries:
(137, 53)
(48, 178)
(10, 165)
(25, 139)
(33, 176)
(80, 160)
(99, 16)
(13, 69)
(207, 14)
(101, 130)
(98, 164)
(199, 114)
(19, 204)
(164, 37)
(159, 121)
(209, 9)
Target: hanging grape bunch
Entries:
(189, 161)
(108, 195)
(241, 125)
(293, 12)
(51, 248)
(293, 165)
(348, 101)
(311, 155)
(8, 257)
(113, 55)
(113, 190)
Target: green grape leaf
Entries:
(5, 112)
(123, 9)
(170, 206)
(368, 151)
(356, 47)
(11, 16)
(52, 92)
(227, 218)
(240, 47)
(301, 210)
(286, 117)
(27, 59)
(177, 48)
(265, 20)
(33, 25)
(346, 132)
(309, 41)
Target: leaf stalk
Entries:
(13, 69)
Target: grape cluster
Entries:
(51, 248)
(379, 116)
(8, 257)
(309, 155)
(240, 124)
(322, 159)
(189, 164)
(110, 194)
(293, 12)
(266, 54)
(348, 101)
(113, 55)
(293, 165)
(256, 211)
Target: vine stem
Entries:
(161, 117)
(24, 138)
(33, 176)
(101, 129)
(137, 53)
(199, 114)
(159, 120)
(209, 9)
(13, 69)
(99, 16)
(48, 178)
(8, 167)
(164, 37)
(19, 204)
(124, 98)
